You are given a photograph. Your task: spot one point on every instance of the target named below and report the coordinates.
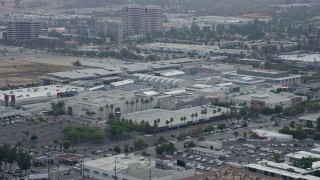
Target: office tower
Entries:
(141, 20)
(23, 30)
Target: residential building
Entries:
(23, 30)
(141, 20)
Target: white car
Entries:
(198, 159)
(191, 157)
(208, 169)
(211, 162)
(203, 160)
(183, 155)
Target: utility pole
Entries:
(115, 168)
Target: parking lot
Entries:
(242, 153)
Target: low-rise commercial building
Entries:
(93, 101)
(39, 94)
(310, 120)
(294, 159)
(266, 135)
(261, 100)
(130, 167)
(176, 115)
(270, 76)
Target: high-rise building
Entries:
(23, 30)
(141, 20)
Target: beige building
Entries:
(96, 101)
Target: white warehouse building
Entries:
(130, 167)
(32, 95)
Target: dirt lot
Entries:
(22, 72)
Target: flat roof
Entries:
(164, 115)
(279, 171)
(172, 73)
(39, 91)
(123, 162)
(122, 83)
(302, 154)
(273, 98)
(301, 57)
(310, 117)
(269, 133)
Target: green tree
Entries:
(318, 124)
(23, 161)
(161, 140)
(276, 157)
(77, 63)
(219, 111)
(126, 148)
(11, 156)
(189, 144)
(117, 149)
(244, 135)
(34, 137)
(140, 144)
(66, 144)
(236, 134)
(221, 126)
(4, 149)
(208, 129)
(316, 136)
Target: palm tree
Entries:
(107, 112)
(101, 110)
(214, 112)
(244, 135)
(155, 125)
(184, 119)
(181, 119)
(151, 99)
(147, 102)
(111, 107)
(56, 142)
(219, 110)
(202, 112)
(131, 103)
(142, 101)
(94, 115)
(205, 113)
(18, 144)
(88, 114)
(137, 101)
(171, 121)
(127, 103)
(196, 115)
(236, 134)
(238, 117)
(192, 116)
